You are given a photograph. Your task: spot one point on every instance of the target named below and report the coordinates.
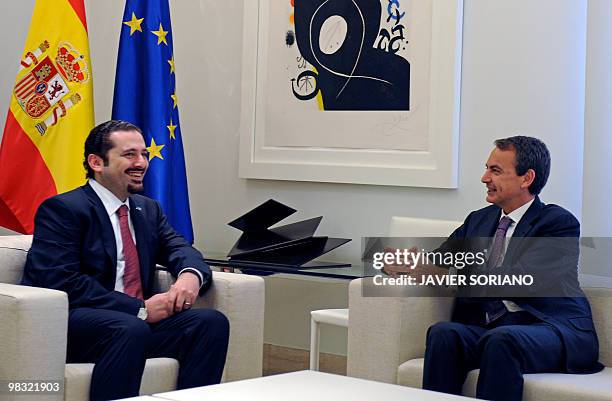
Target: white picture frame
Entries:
(435, 167)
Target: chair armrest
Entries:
(241, 298)
(384, 332)
(33, 334)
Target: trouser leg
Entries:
(451, 352)
(116, 342)
(198, 338)
(507, 352)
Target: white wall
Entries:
(14, 22)
(523, 72)
(597, 219)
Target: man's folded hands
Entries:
(181, 296)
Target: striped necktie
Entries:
(497, 248)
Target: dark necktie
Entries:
(131, 274)
(497, 248)
(495, 308)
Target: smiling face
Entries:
(505, 188)
(126, 164)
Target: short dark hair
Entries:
(531, 153)
(98, 141)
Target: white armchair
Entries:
(33, 329)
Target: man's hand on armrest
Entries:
(184, 291)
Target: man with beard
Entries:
(100, 243)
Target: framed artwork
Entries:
(352, 91)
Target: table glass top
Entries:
(318, 268)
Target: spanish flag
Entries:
(50, 114)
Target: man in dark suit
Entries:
(507, 336)
(100, 243)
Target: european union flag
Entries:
(145, 95)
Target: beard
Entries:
(135, 189)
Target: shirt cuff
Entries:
(196, 272)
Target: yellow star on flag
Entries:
(171, 128)
(171, 62)
(175, 100)
(134, 24)
(155, 150)
(161, 35)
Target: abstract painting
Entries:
(348, 56)
(343, 90)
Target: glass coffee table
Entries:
(316, 268)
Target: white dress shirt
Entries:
(111, 205)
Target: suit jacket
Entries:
(74, 250)
(554, 262)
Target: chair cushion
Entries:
(538, 387)
(77, 381)
(159, 376)
(410, 373)
(601, 305)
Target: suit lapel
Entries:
(106, 228)
(140, 230)
(489, 226)
(524, 227)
